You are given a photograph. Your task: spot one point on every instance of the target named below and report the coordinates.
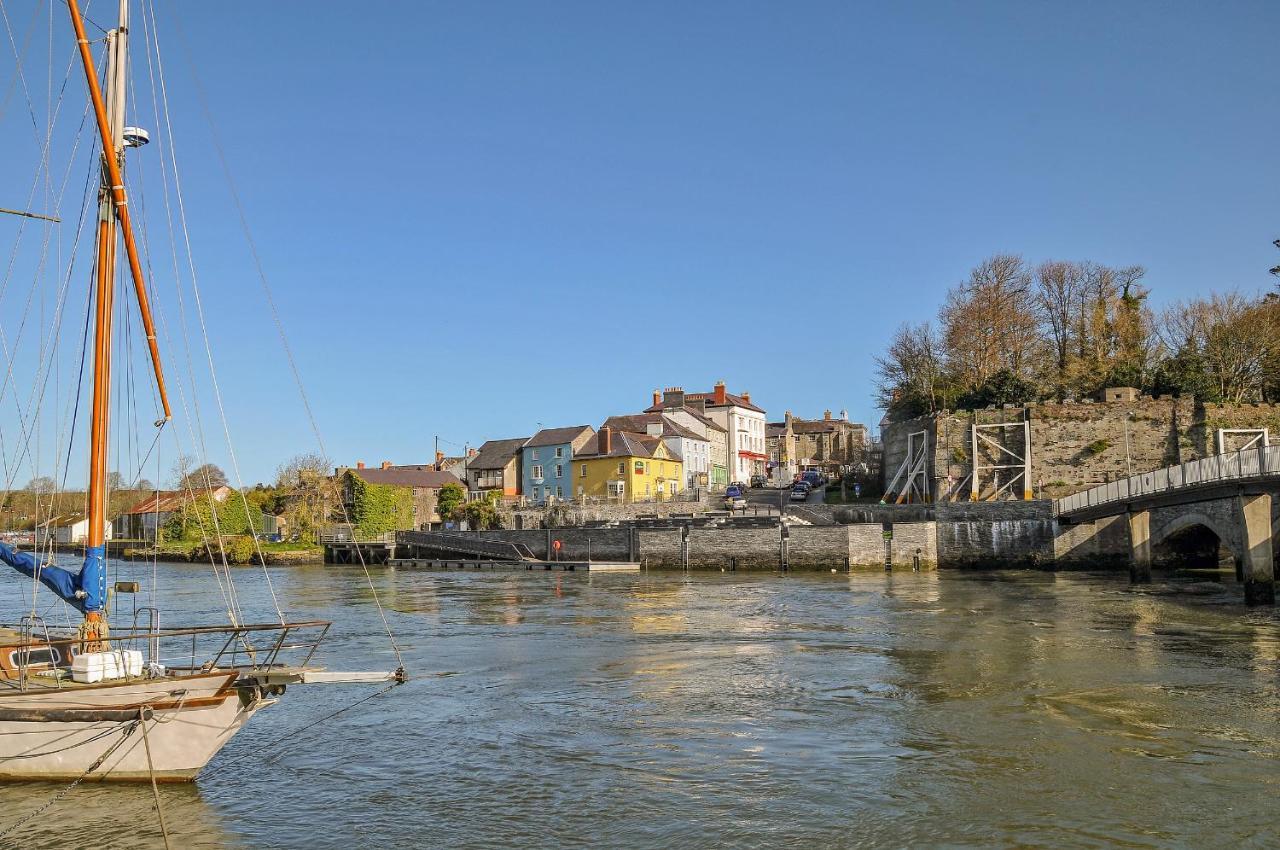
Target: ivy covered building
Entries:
(392, 498)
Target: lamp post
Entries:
(1128, 458)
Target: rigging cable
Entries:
(275, 314)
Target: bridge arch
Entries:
(1194, 538)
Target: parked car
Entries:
(734, 500)
(813, 478)
(799, 493)
(759, 481)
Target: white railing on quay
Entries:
(1247, 463)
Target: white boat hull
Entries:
(190, 718)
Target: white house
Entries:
(74, 532)
(743, 422)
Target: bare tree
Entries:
(910, 377)
(307, 492)
(989, 322)
(205, 476)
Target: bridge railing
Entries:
(1247, 463)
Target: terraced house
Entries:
(546, 461)
(626, 467)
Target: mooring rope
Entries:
(303, 727)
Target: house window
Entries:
(559, 470)
(537, 473)
(673, 488)
(559, 451)
(584, 470)
(535, 454)
(622, 467)
(617, 488)
(559, 492)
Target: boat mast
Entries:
(112, 211)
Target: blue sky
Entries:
(481, 216)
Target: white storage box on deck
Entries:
(90, 667)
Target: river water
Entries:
(663, 710)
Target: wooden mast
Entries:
(113, 210)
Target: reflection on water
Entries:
(672, 710)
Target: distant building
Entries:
(72, 532)
(626, 467)
(144, 519)
(545, 462)
(831, 445)
(454, 465)
(743, 422)
(693, 449)
(496, 466)
(422, 480)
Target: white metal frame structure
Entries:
(914, 471)
(1020, 462)
(1254, 437)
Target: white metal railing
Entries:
(1247, 463)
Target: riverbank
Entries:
(276, 554)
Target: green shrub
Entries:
(1097, 447)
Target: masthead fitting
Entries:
(135, 137)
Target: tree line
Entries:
(1013, 333)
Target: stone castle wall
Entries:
(1076, 445)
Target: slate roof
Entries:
(704, 419)
(621, 444)
(556, 436)
(495, 454)
(639, 422)
(418, 475)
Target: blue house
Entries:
(546, 472)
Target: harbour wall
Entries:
(948, 535)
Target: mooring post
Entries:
(1140, 547)
(1258, 561)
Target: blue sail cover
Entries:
(86, 590)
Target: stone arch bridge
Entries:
(1234, 497)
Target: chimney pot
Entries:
(359, 464)
(826, 415)
(386, 464)
(720, 393)
(439, 458)
(657, 398)
(606, 440)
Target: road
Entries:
(767, 499)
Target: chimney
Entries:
(472, 452)
(605, 440)
(746, 397)
(700, 406)
(386, 464)
(673, 397)
(826, 414)
(439, 459)
(359, 464)
(844, 416)
(720, 393)
(787, 419)
(657, 398)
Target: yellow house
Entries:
(627, 467)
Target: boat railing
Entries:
(256, 646)
(29, 628)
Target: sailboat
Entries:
(142, 703)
